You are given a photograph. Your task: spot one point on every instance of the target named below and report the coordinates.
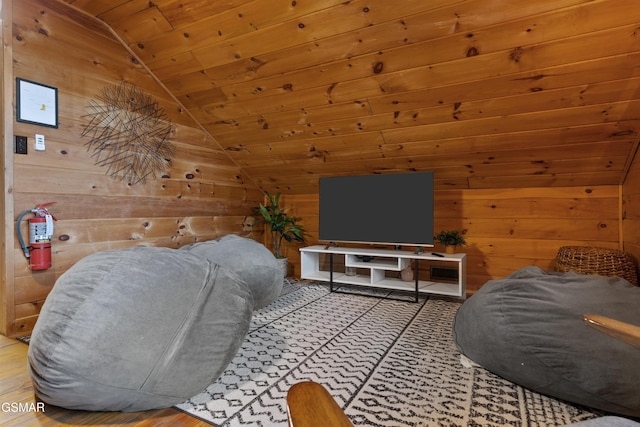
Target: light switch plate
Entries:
(39, 142)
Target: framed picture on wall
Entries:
(36, 103)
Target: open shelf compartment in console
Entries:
(382, 263)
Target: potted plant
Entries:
(281, 226)
(450, 239)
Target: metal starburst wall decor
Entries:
(129, 132)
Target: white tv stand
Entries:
(382, 260)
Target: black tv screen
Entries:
(393, 209)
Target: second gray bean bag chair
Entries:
(528, 328)
(147, 327)
(248, 259)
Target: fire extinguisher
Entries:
(40, 233)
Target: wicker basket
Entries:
(593, 260)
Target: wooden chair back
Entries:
(309, 404)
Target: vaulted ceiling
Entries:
(485, 93)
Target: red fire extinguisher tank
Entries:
(40, 234)
(40, 244)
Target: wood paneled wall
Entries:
(203, 196)
(6, 178)
(631, 209)
(507, 229)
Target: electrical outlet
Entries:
(19, 144)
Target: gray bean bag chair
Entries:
(528, 328)
(147, 327)
(247, 259)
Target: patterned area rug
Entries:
(386, 362)
(26, 339)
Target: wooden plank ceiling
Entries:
(485, 93)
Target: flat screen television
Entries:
(395, 209)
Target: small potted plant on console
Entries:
(450, 239)
(281, 226)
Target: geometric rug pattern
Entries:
(387, 362)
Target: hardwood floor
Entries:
(18, 406)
